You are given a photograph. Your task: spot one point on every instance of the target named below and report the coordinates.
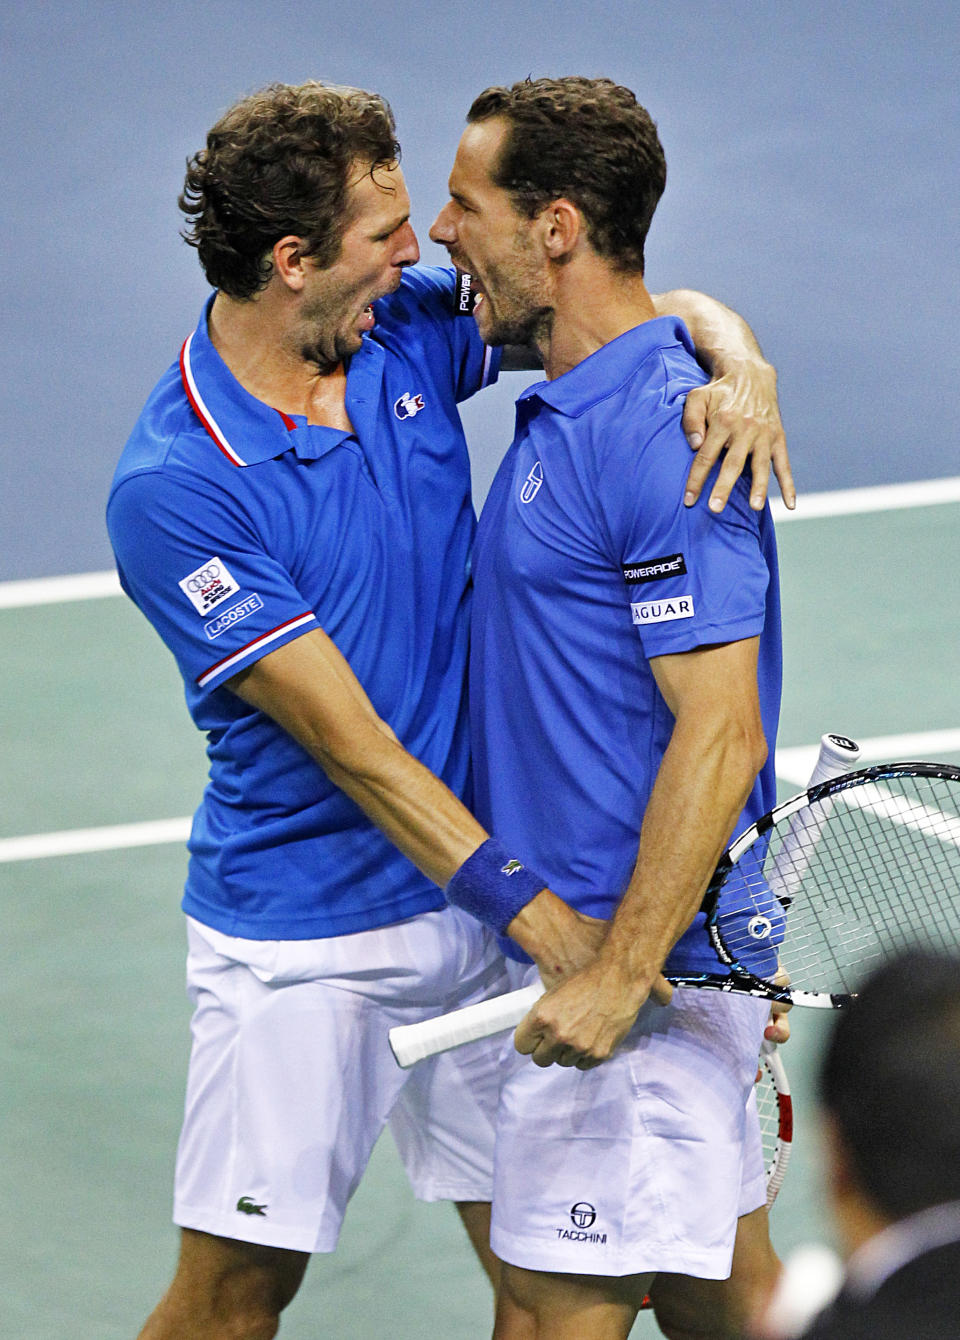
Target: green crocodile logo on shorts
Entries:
(246, 1206)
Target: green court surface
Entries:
(96, 1021)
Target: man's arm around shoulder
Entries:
(737, 411)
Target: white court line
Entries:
(793, 765)
(880, 498)
(840, 502)
(878, 799)
(54, 590)
(74, 841)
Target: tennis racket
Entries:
(775, 1110)
(787, 843)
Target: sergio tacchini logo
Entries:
(531, 485)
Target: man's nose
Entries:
(408, 250)
(442, 229)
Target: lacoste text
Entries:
(233, 615)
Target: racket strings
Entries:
(768, 1111)
(775, 1114)
(866, 871)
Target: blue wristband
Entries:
(493, 886)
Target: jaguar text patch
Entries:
(662, 611)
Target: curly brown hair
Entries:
(588, 140)
(277, 164)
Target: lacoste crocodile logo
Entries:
(246, 1206)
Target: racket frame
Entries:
(741, 980)
(776, 1168)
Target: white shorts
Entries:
(292, 1079)
(644, 1163)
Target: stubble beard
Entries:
(529, 328)
(524, 316)
(326, 355)
(325, 344)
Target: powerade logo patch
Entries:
(654, 569)
(231, 616)
(466, 297)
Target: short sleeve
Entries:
(691, 578)
(191, 560)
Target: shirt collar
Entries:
(609, 367)
(246, 429)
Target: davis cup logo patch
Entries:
(662, 611)
(208, 586)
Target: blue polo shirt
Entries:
(237, 528)
(587, 565)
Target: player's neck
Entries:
(254, 340)
(593, 305)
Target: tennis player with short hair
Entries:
(292, 513)
(625, 681)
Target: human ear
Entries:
(562, 228)
(288, 261)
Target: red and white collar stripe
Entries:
(199, 405)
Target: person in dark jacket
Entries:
(890, 1089)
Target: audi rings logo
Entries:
(204, 577)
(209, 585)
(582, 1214)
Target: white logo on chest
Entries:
(408, 405)
(531, 485)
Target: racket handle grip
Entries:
(412, 1042)
(838, 754)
